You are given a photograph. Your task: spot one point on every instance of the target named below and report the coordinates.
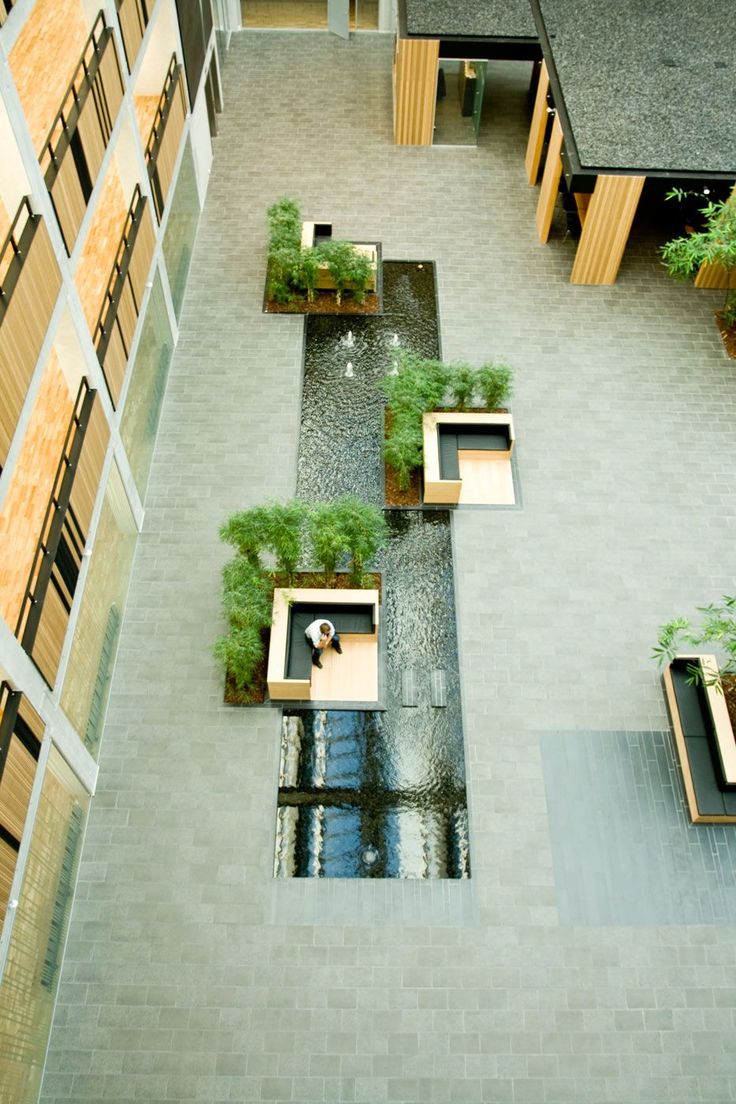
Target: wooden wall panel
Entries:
(24, 327)
(132, 27)
(116, 362)
(110, 78)
(15, 787)
(8, 859)
(537, 128)
(140, 262)
(68, 198)
(415, 90)
(715, 276)
(169, 148)
(46, 650)
(89, 468)
(550, 182)
(606, 230)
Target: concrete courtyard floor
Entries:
(591, 957)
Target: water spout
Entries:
(395, 340)
(349, 373)
(349, 341)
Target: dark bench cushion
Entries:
(454, 437)
(714, 796)
(348, 618)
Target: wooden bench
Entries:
(352, 612)
(704, 738)
(450, 437)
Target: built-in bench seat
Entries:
(353, 618)
(454, 439)
(354, 613)
(705, 740)
(473, 448)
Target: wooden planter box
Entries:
(291, 676)
(470, 443)
(705, 741)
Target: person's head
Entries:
(324, 628)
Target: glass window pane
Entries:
(181, 228)
(34, 955)
(147, 385)
(87, 681)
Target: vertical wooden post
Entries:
(415, 90)
(550, 182)
(537, 129)
(606, 230)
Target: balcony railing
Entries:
(47, 601)
(163, 143)
(133, 18)
(121, 306)
(29, 286)
(73, 152)
(6, 6)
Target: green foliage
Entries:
(402, 450)
(329, 542)
(276, 527)
(420, 385)
(240, 653)
(493, 382)
(348, 267)
(462, 384)
(309, 262)
(715, 244)
(293, 271)
(718, 626)
(364, 531)
(246, 594)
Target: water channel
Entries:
(378, 793)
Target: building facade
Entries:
(106, 117)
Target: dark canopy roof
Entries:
(484, 19)
(648, 87)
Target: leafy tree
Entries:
(240, 653)
(715, 244)
(494, 384)
(356, 528)
(402, 450)
(309, 262)
(718, 627)
(246, 594)
(348, 267)
(329, 542)
(462, 384)
(275, 527)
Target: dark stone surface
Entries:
(647, 86)
(470, 19)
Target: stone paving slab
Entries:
(181, 980)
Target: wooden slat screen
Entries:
(29, 287)
(415, 90)
(550, 182)
(606, 230)
(21, 732)
(87, 476)
(53, 578)
(15, 787)
(538, 128)
(73, 153)
(163, 143)
(133, 17)
(121, 306)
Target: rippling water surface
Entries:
(378, 794)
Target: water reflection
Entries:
(378, 794)
(338, 819)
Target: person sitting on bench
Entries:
(320, 635)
